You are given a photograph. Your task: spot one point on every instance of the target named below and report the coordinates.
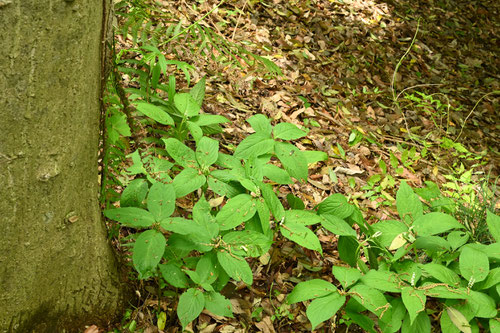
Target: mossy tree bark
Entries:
(57, 270)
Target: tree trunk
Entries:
(57, 271)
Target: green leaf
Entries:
(161, 200)
(414, 301)
(324, 308)
(457, 238)
(389, 230)
(337, 226)
(182, 154)
(254, 145)
(294, 202)
(204, 219)
(493, 222)
(261, 124)
(235, 266)
(492, 279)
(134, 194)
(484, 306)
(422, 324)
(365, 322)
(301, 235)
(207, 268)
(292, 159)
(474, 264)
(195, 130)
(408, 204)
(180, 225)
(396, 320)
(209, 119)
(303, 217)
(382, 280)
(458, 319)
(236, 211)
(187, 181)
(313, 156)
(336, 205)
(432, 243)
(272, 201)
(495, 325)
(441, 273)
(347, 276)
(439, 291)
(247, 243)
(435, 223)
(191, 303)
(218, 304)
(348, 250)
(174, 275)
(276, 174)
(287, 131)
(154, 112)
(131, 217)
(186, 104)
(372, 299)
(310, 289)
(147, 252)
(198, 91)
(207, 151)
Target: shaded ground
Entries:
(338, 60)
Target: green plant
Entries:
(169, 239)
(420, 257)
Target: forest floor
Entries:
(431, 115)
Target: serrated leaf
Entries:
(198, 91)
(186, 104)
(408, 204)
(147, 252)
(187, 181)
(182, 154)
(382, 280)
(191, 303)
(134, 194)
(493, 222)
(336, 205)
(254, 145)
(155, 113)
(287, 131)
(414, 301)
(173, 275)
(458, 319)
(347, 276)
(260, 124)
(310, 289)
(236, 211)
(324, 308)
(276, 174)
(218, 304)
(441, 273)
(247, 243)
(292, 159)
(207, 151)
(303, 217)
(235, 266)
(301, 235)
(435, 223)
(131, 216)
(474, 264)
(337, 226)
(161, 200)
